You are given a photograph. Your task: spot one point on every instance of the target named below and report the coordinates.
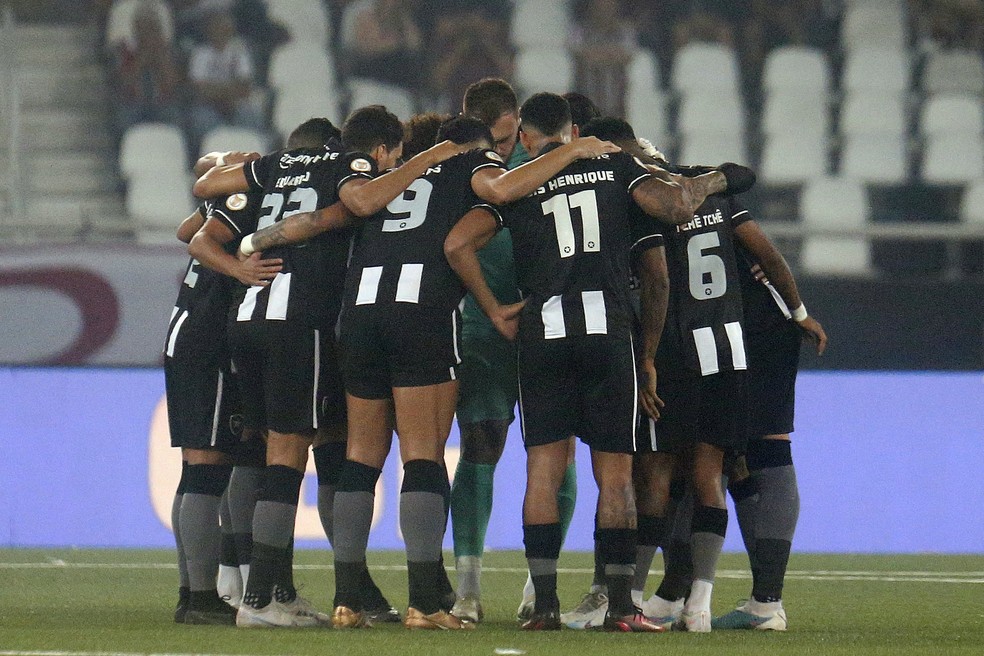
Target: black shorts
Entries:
(773, 359)
(711, 409)
(288, 376)
(584, 386)
(203, 408)
(403, 345)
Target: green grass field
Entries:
(83, 602)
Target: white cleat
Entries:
(698, 621)
(469, 609)
(525, 610)
(589, 613)
(274, 614)
(662, 611)
(753, 615)
(305, 610)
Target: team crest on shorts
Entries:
(236, 424)
(236, 202)
(361, 165)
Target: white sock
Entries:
(230, 584)
(529, 592)
(637, 597)
(469, 569)
(244, 574)
(762, 608)
(700, 596)
(603, 589)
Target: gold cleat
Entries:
(442, 620)
(346, 618)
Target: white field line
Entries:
(11, 652)
(804, 575)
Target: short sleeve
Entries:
(484, 159)
(259, 170)
(356, 165)
(634, 172)
(237, 212)
(739, 214)
(646, 231)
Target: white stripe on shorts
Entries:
(595, 316)
(707, 353)
(552, 315)
(279, 297)
(317, 376)
(408, 287)
(248, 305)
(737, 341)
(174, 334)
(368, 285)
(218, 410)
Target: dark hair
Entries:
(369, 127)
(608, 128)
(488, 99)
(462, 129)
(420, 132)
(582, 109)
(546, 113)
(313, 133)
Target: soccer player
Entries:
(764, 490)
(202, 402)
(576, 367)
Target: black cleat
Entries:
(542, 621)
(209, 610)
(182, 607)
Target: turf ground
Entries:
(111, 602)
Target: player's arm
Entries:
(207, 247)
(215, 158)
(774, 266)
(297, 228)
(654, 297)
(461, 247)
(499, 187)
(191, 225)
(364, 197)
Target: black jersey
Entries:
(309, 288)
(571, 241)
(764, 307)
(202, 302)
(704, 331)
(399, 256)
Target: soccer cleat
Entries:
(346, 618)
(661, 611)
(741, 618)
(543, 621)
(590, 611)
(305, 609)
(633, 623)
(526, 606)
(441, 620)
(210, 611)
(182, 607)
(382, 615)
(274, 614)
(694, 622)
(469, 609)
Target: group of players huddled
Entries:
(325, 309)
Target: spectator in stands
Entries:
(386, 44)
(221, 75)
(793, 22)
(121, 26)
(146, 75)
(949, 23)
(715, 21)
(470, 41)
(602, 42)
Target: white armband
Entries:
(246, 247)
(799, 314)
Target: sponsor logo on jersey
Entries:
(287, 160)
(361, 165)
(236, 202)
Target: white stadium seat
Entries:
(972, 203)
(791, 158)
(157, 205)
(645, 103)
(835, 203)
(544, 69)
(796, 111)
(149, 148)
(796, 67)
(699, 66)
(364, 92)
(953, 71)
(301, 66)
(306, 20)
(711, 111)
(864, 112)
(952, 114)
(713, 148)
(875, 158)
(953, 158)
(540, 23)
(294, 106)
(877, 69)
(880, 23)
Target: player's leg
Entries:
(184, 588)
(653, 473)
(230, 582)
(423, 421)
(244, 489)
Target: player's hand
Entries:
(814, 332)
(239, 157)
(448, 149)
(505, 318)
(256, 272)
(650, 401)
(588, 147)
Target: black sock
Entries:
(273, 531)
(618, 551)
(542, 542)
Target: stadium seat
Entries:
(880, 23)
(873, 113)
(796, 111)
(306, 20)
(835, 202)
(951, 114)
(802, 68)
(877, 69)
(150, 148)
(363, 91)
(711, 111)
(790, 158)
(349, 16)
(225, 138)
(972, 203)
(299, 66)
(156, 206)
(544, 69)
(953, 71)
(699, 66)
(953, 158)
(879, 158)
(294, 106)
(541, 24)
(712, 148)
(645, 104)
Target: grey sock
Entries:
(202, 538)
(422, 521)
(352, 535)
(644, 560)
(176, 528)
(273, 523)
(709, 526)
(326, 510)
(244, 489)
(778, 512)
